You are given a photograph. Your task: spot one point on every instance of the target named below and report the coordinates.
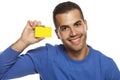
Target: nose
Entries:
(72, 32)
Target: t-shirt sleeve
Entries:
(13, 65)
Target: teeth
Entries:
(74, 38)
(75, 41)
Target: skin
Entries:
(27, 37)
(72, 30)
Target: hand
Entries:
(27, 36)
(28, 33)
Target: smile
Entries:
(75, 40)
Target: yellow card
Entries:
(43, 32)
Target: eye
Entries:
(78, 24)
(64, 28)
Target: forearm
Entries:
(7, 58)
(20, 45)
(11, 63)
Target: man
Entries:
(72, 60)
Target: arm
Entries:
(27, 38)
(11, 65)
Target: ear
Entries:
(85, 22)
(57, 33)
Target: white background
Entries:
(103, 18)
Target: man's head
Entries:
(64, 8)
(70, 25)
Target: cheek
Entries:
(81, 30)
(63, 36)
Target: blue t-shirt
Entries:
(53, 63)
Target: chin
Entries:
(75, 48)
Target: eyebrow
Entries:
(79, 21)
(64, 26)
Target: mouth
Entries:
(75, 40)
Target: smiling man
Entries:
(71, 29)
(72, 60)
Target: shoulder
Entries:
(107, 64)
(102, 58)
(99, 54)
(44, 50)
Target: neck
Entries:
(79, 55)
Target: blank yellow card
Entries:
(43, 32)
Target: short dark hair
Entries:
(65, 7)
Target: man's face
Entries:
(71, 30)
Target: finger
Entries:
(35, 23)
(38, 23)
(30, 23)
(42, 26)
(40, 38)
